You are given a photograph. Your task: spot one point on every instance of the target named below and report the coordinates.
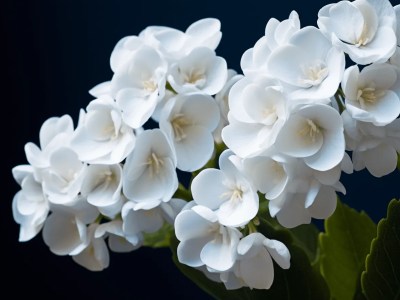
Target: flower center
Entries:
(270, 115)
(368, 96)
(179, 123)
(195, 77)
(363, 39)
(310, 130)
(150, 85)
(314, 73)
(155, 164)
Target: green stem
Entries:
(183, 193)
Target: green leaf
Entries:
(298, 282)
(160, 238)
(381, 279)
(306, 237)
(343, 248)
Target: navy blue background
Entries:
(52, 53)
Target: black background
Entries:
(52, 53)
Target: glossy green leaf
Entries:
(306, 237)
(381, 279)
(343, 249)
(298, 282)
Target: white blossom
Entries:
(102, 187)
(364, 29)
(116, 238)
(95, 256)
(65, 233)
(175, 44)
(102, 137)
(139, 85)
(63, 179)
(149, 175)
(308, 193)
(30, 205)
(227, 192)
(258, 110)
(200, 71)
(277, 34)
(309, 64)
(55, 132)
(370, 94)
(314, 133)
(369, 142)
(188, 121)
(204, 241)
(254, 265)
(222, 98)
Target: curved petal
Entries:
(386, 163)
(257, 271)
(324, 204)
(279, 252)
(208, 188)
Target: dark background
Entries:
(52, 53)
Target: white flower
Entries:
(54, 133)
(102, 137)
(258, 110)
(293, 209)
(65, 233)
(364, 29)
(222, 98)
(314, 133)
(226, 191)
(204, 33)
(276, 34)
(200, 71)
(122, 52)
(369, 94)
(254, 265)
(139, 85)
(175, 44)
(269, 175)
(309, 64)
(30, 205)
(137, 221)
(188, 121)
(369, 142)
(308, 193)
(95, 256)
(63, 179)
(116, 237)
(204, 241)
(149, 175)
(102, 186)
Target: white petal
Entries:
(62, 233)
(324, 204)
(190, 225)
(101, 89)
(294, 140)
(386, 163)
(189, 251)
(258, 271)
(195, 150)
(279, 252)
(238, 214)
(208, 188)
(95, 257)
(219, 254)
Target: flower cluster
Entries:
(307, 96)
(110, 178)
